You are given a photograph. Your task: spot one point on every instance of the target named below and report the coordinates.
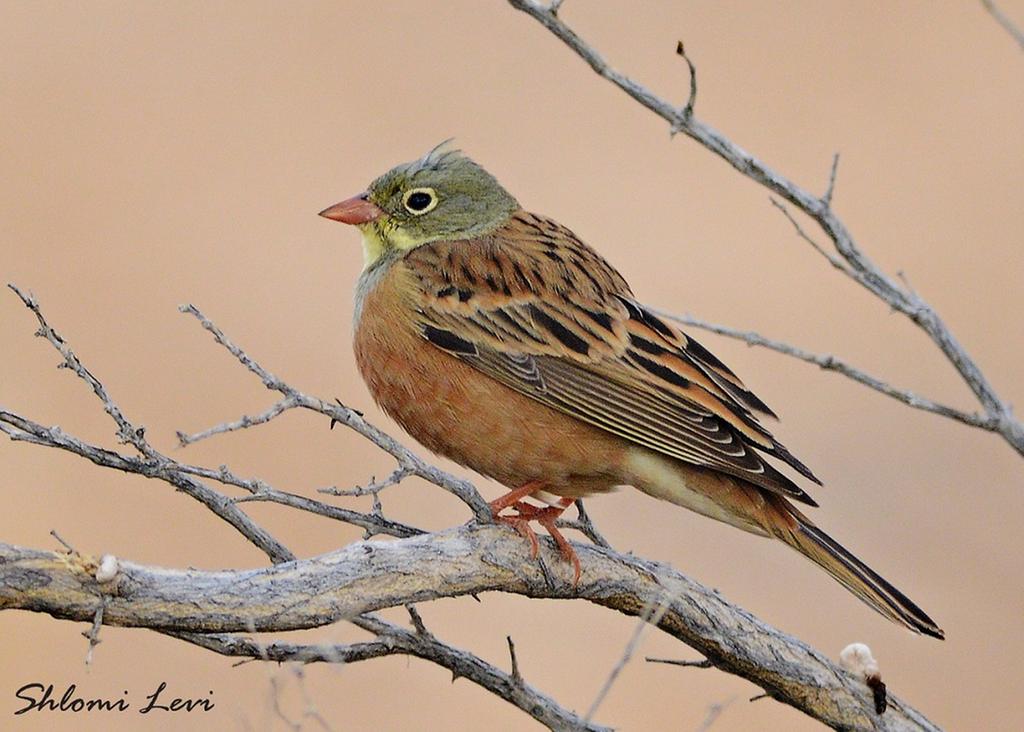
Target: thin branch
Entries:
(244, 422)
(676, 662)
(21, 429)
(860, 266)
(260, 490)
(310, 710)
(126, 431)
(393, 640)
(517, 677)
(55, 535)
(651, 615)
(1004, 20)
(462, 489)
(93, 634)
(367, 576)
(714, 712)
(692, 99)
(417, 621)
(373, 487)
(827, 198)
(831, 363)
(832, 259)
(584, 525)
(170, 471)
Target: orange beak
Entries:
(356, 210)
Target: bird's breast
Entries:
(456, 411)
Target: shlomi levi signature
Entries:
(41, 699)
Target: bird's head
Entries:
(442, 196)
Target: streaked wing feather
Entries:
(536, 309)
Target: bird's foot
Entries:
(514, 497)
(546, 517)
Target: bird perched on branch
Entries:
(498, 339)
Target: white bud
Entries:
(108, 568)
(857, 659)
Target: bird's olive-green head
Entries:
(442, 196)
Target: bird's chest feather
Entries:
(456, 411)
(422, 388)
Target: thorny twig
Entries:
(374, 486)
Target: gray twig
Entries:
(706, 663)
(516, 676)
(692, 99)
(374, 486)
(652, 615)
(93, 634)
(464, 490)
(55, 535)
(584, 525)
(242, 423)
(827, 198)
(18, 428)
(831, 363)
(714, 712)
(1004, 20)
(393, 640)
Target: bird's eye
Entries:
(419, 200)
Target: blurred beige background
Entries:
(154, 154)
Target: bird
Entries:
(497, 338)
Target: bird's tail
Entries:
(854, 575)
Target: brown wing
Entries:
(538, 310)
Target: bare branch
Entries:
(827, 198)
(417, 621)
(175, 473)
(832, 259)
(20, 429)
(692, 99)
(714, 712)
(374, 486)
(393, 640)
(126, 431)
(55, 535)
(464, 490)
(1004, 20)
(516, 676)
(242, 423)
(367, 576)
(93, 634)
(584, 525)
(652, 614)
(675, 662)
(831, 363)
(859, 266)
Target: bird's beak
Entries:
(356, 210)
